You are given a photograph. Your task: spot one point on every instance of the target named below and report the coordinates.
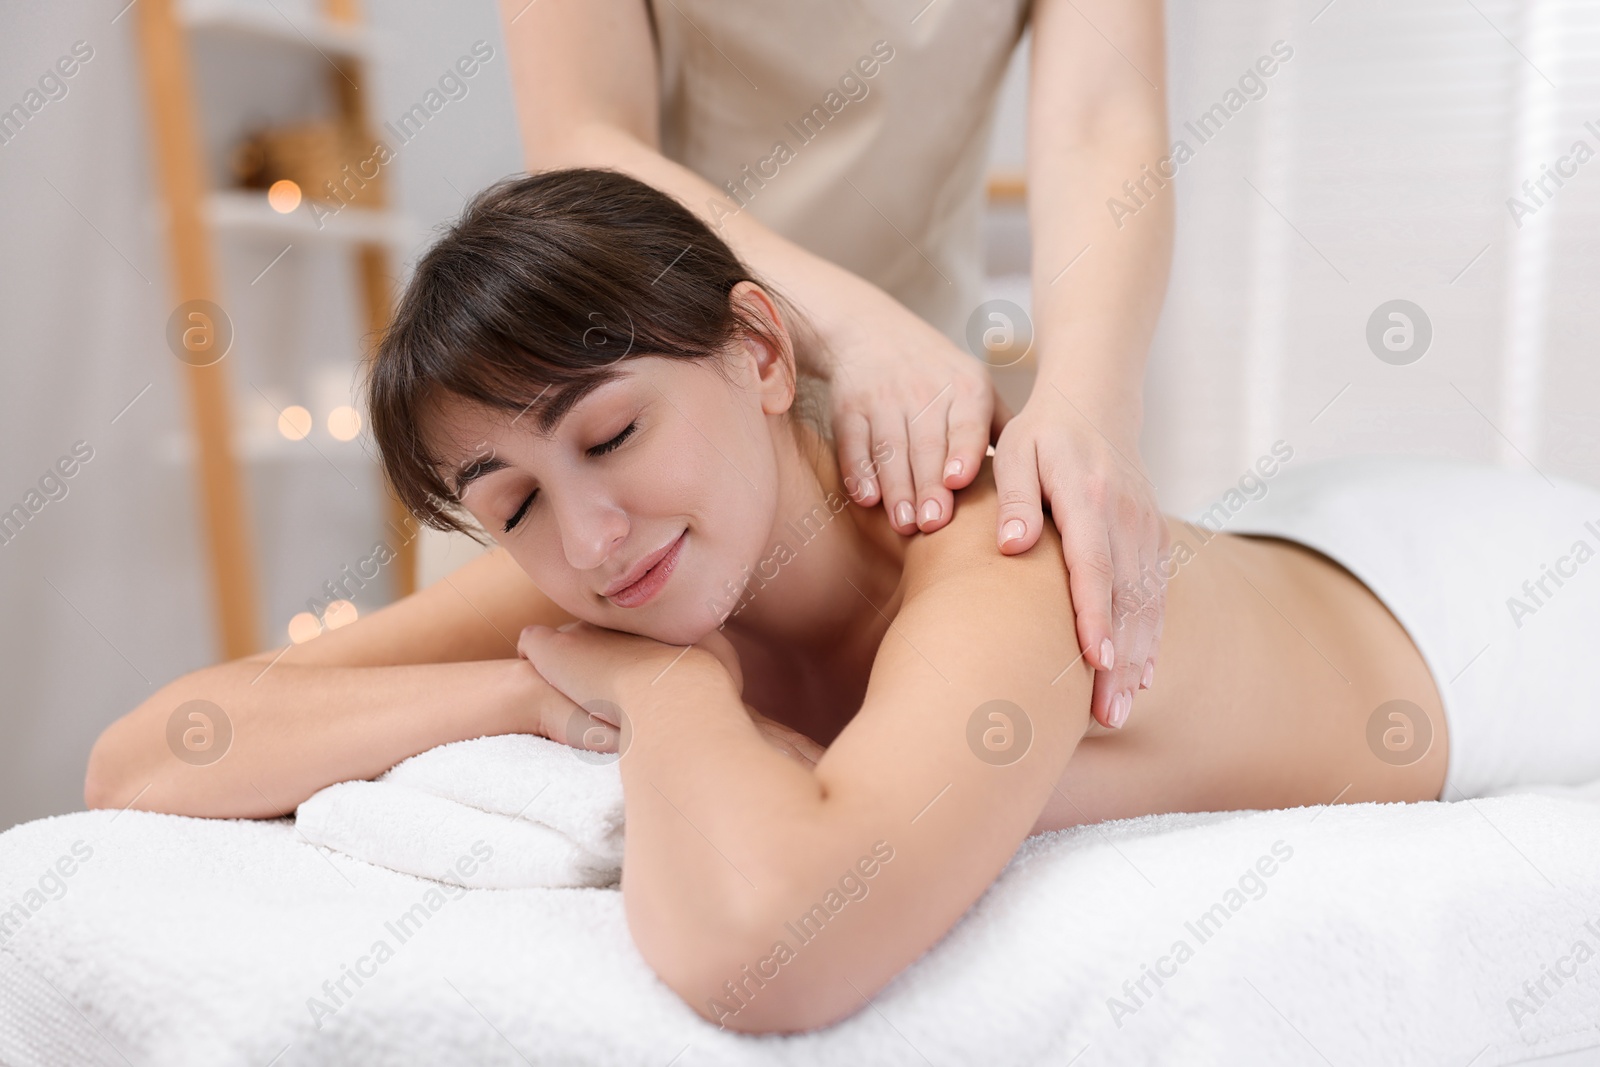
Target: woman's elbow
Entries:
(124, 759)
(105, 775)
(756, 993)
(723, 963)
(96, 793)
(103, 784)
(762, 978)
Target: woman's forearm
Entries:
(259, 739)
(715, 817)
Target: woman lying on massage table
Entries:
(834, 736)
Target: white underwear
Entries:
(1495, 574)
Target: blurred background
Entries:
(1384, 161)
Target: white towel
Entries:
(552, 815)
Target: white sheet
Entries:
(1470, 559)
(1393, 934)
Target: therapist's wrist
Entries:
(851, 317)
(1109, 406)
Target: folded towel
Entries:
(552, 815)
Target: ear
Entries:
(773, 359)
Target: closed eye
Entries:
(627, 432)
(596, 451)
(521, 511)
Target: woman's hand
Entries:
(589, 667)
(912, 413)
(1113, 537)
(596, 668)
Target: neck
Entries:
(831, 573)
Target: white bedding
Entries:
(1393, 934)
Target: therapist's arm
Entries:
(1096, 119)
(585, 77)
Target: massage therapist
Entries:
(839, 147)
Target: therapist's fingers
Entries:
(1153, 588)
(1016, 482)
(930, 443)
(1138, 593)
(1136, 605)
(971, 415)
(1087, 552)
(894, 469)
(853, 435)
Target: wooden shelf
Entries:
(1006, 187)
(170, 32)
(242, 20)
(244, 211)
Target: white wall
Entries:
(1377, 167)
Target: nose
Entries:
(592, 528)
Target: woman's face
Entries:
(671, 471)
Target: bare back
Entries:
(1274, 662)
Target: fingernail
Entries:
(1015, 529)
(1149, 674)
(931, 511)
(869, 488)
(953, 468)
(1108, 654)
(1119, 709)
(903, 515)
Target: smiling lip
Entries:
(647, 577)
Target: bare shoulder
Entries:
(965, 551)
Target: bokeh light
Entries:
(284, 196)
(303, 627)
(344, 422)
(295, 422)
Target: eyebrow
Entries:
(547, 413)
(474, 470)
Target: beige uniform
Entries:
(858, 129)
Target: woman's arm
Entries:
(585, 75)
(773, 897)
(1101, 214)
(440, 665)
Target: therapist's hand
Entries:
(912, 413)
(1113, 535)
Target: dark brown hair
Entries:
(530, 298)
